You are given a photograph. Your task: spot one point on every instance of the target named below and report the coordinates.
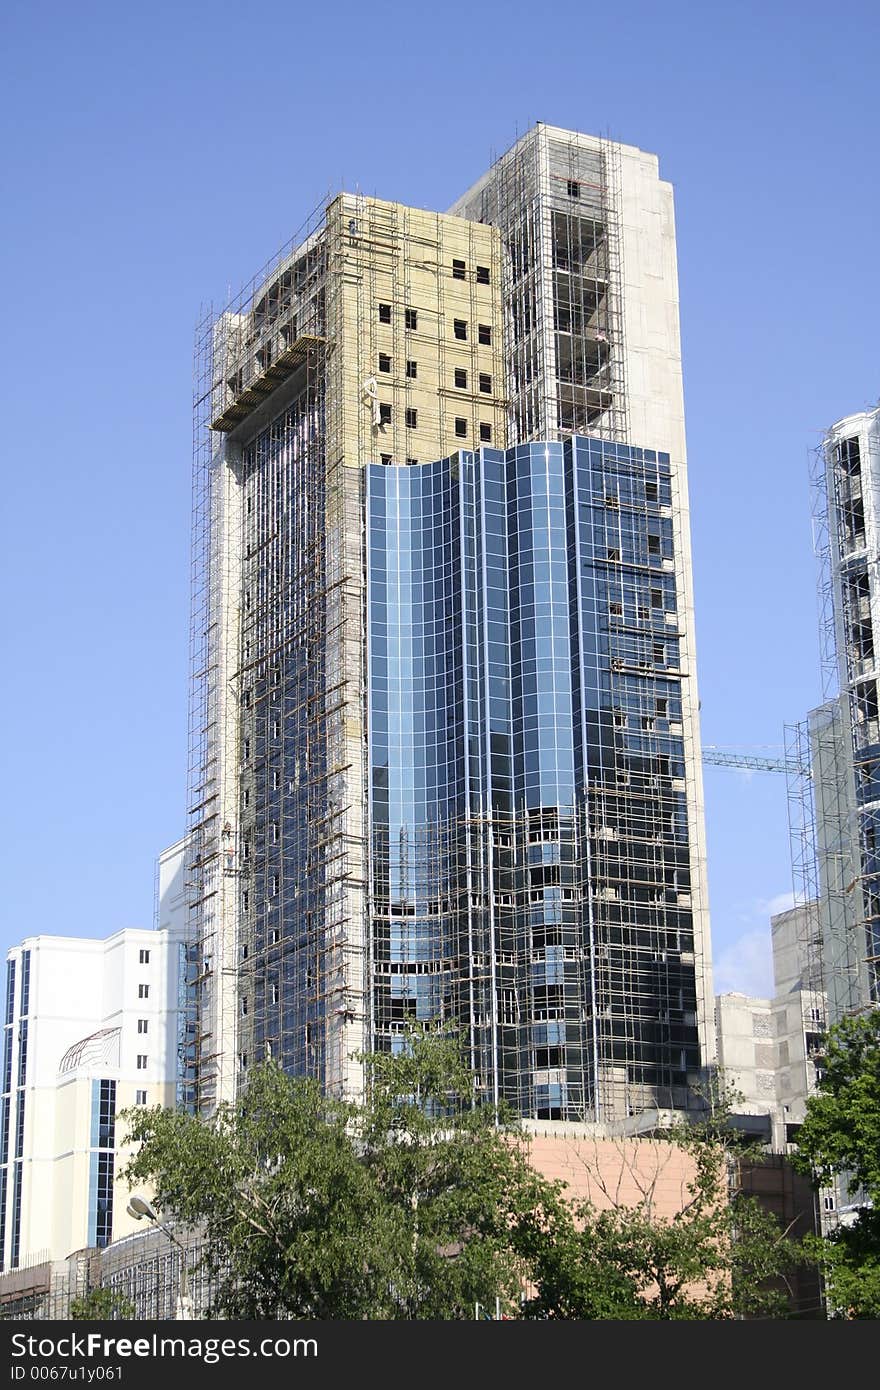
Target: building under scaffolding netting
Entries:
(444, 759)
(835, 808)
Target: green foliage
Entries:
(841, 1131)
(101, 1304)
(316, 1209)
(422, 1204)
(456, 1173)
(572, 1270)
(849, 1257)
(711, 1259)
(840, 1136)
(292, 1223)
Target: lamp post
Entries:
(139, 1207)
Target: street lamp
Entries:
(139, 1207)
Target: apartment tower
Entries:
(444, 743)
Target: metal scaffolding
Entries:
(263, 689)
(557, 205)
(832, 813)
(577, 915)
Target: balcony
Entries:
(265, 382)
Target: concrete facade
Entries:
(766, 1047)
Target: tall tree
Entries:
(402, 1208)
(289, 1218)
(457, 1170)
(840, 1138)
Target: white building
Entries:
(766, 1047)
(91, 1028)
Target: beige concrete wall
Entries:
(617, 1172)
(747, 1050)
(655, 419)
(383, 253)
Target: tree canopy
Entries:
(312, 1208)
(422, 1203)
(840, 1139)
(100, 1304)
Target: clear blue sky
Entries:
(156, 155)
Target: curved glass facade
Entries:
(529, 855)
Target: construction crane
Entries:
(731, 757)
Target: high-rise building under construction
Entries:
(444, 740)
(836, 797)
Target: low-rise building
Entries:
(768, 1048)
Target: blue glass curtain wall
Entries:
(101, 1161)
(529, 836)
